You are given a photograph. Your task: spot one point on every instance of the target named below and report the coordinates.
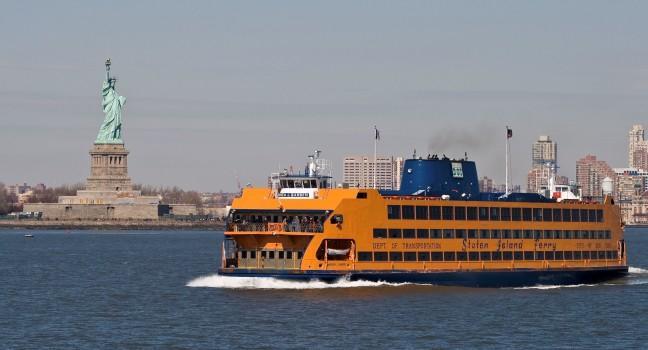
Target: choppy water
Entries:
(94, 290)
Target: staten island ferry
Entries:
(437, 228)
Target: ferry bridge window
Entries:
(539, 255)
(505, 214)
(264, 254)
(516, 214)
(364, 256)
(421, 212)
(546, 214)
(528, 255)
(485, 256)
(557, 215)
(448, 233)
(395, 233)
(485, 234)
(423, 256)
(436, 256)
(578, 255)
(460, 233)
(380, 256)
(300, 254)
(517, 256)
(496, 256)
(472, 233)
(528, 234)
(408, 212)
(395, 256)
(599, 215)
(537, 214)
(379, 233)
(462, 256)
(566, 215)
(559, 255)
(409, 233)
(393, 212)
(507, 256)
(422, 233)
(473, 256)
(281, 254)
(435, 233)
(527, 214)
(471, 213)
(289, 255)
(271, 254)
(298, 184)
(409, 256)
(569, 255)
(460, 213)
(447, 213)
(483, 213)
(449, 256)
(244, 254)
(435, 213)
(506, 234)
(575, 215)
(583, 215)
(494, 213)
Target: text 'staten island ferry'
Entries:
(437, 229)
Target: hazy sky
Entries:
(217, 89)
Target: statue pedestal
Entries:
(109, 168)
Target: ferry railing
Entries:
(275, 227)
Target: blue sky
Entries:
(220, 89)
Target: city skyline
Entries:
(222, 97)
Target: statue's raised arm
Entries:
(112, 103)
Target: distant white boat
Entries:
(29, 236)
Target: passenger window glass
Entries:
(516, 214)
(447, 213)
(546, 214)
(592, 215)
(472, 233)
(409, 233)
(380, 256)
(460, 233)
(485, 234)
(422, 233)
(393, 212)
(423, 256)
(436, 256)
(364, 256)
(408, 212)
(557, 215)
(460, 213)
(462, 256)
(379, 233)
(449, 256)
(599, 215)
(483, 213)
(448, 233)
(575, 215)
(494, 214)
(395, 233)
(566, 215)
(471, 213)
(537, 214)
(410, 256)
(395, 256)
(505, 214)
(485, 256)
(421, 212)
(473, 256)
(435, 213)
(527, 214)
(435, 233)
(528, 256)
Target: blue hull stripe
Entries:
(497, 278)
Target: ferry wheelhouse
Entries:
(437, 229)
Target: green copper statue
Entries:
(110, 131)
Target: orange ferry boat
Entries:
(436, 229)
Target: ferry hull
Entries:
(489, 279)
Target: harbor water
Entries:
(147, 289)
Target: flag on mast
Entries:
(509, 133)
(377, 133)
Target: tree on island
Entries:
(8, 201)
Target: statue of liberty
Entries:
(110, 131)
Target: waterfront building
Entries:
(590, 173)
(637, 148)
(358, 172)
(544, 161)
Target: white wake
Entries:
(231, 282)
(637, 270)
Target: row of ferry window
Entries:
(270, 254)
(488, 234)
(488, 256)
(423, 212)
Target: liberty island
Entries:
(112, 103)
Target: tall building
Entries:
(637, 144)
(358, 172)
(544, 158)
(544, 151)
(590, 173)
